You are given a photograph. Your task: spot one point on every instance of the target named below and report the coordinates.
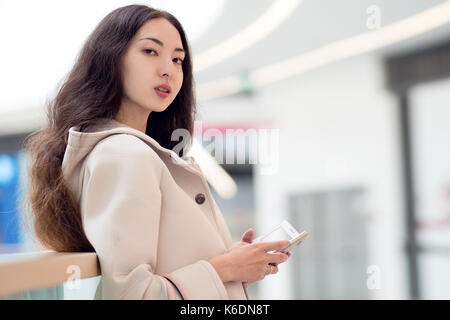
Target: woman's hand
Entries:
(249, 262)
(247, 237)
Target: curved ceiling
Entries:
(314, 24)
(430, 23)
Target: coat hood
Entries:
(81, 143)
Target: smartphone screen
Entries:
(278, 234)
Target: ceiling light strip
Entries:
(273, 17)
(404, 29)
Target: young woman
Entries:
(105, 178)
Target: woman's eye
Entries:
(147, 50)
(180, 61)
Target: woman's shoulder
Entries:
(123, 147)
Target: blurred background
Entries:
(355, 96)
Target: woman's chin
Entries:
(160, 108)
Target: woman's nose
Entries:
(166, 68)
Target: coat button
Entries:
(200, 198)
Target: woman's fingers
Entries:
(274, 269)
(273, 245)
(276, 258)
(271, 269)
(248, 236)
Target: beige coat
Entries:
(142, 212)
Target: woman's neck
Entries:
(133, 116)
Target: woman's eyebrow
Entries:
(159, 42)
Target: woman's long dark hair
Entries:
(93, 90)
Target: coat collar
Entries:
(101, 128)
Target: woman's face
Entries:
(148, 64)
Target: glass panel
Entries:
(430, 129)
(51, 293)
(70, 290)
(84, 290)
(332, 262)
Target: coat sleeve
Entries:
(121, 208)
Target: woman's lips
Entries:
(161, 94)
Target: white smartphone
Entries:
(284, 231)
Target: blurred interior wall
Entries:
(338, 129)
